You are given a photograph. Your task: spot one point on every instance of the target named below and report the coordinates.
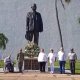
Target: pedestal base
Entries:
(31, 63)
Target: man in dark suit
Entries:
(34, 25)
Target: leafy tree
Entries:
(79, 20)
(3, 41)
(57, 16)
(67, 1)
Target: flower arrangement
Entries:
(32, 50)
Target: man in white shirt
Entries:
(51, 57)
(42, 59)
(8, 64)
(62, 60)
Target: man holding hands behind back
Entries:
(72, 60)
(20, 58)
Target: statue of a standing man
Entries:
(34, 25)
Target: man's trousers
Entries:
(32, 36)
(72, 66)
(42, 66)
(62, 66)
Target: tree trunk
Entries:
(58, 23)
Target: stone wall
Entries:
(13, 24)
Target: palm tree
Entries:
(79, 20)
(3, 41)
(57, 16)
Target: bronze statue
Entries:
(34, 25)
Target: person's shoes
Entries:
(72, 73)
(20, 72)
(51, 72)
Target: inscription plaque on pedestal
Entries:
(31, 63)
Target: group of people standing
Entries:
(43, 59)
(9, 63)
(34, 25)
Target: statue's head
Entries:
(34, 7)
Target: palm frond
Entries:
(3, 41)
(62, 4)
(67, 1)
(79, 20)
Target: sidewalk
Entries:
(15, 69)
(56, 70)
(36, 75)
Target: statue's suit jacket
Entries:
(30, 22)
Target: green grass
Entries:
(77, 65)
(1, 63)
(55, 64)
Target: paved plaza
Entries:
(36, 75)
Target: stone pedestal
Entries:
(31, 63)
